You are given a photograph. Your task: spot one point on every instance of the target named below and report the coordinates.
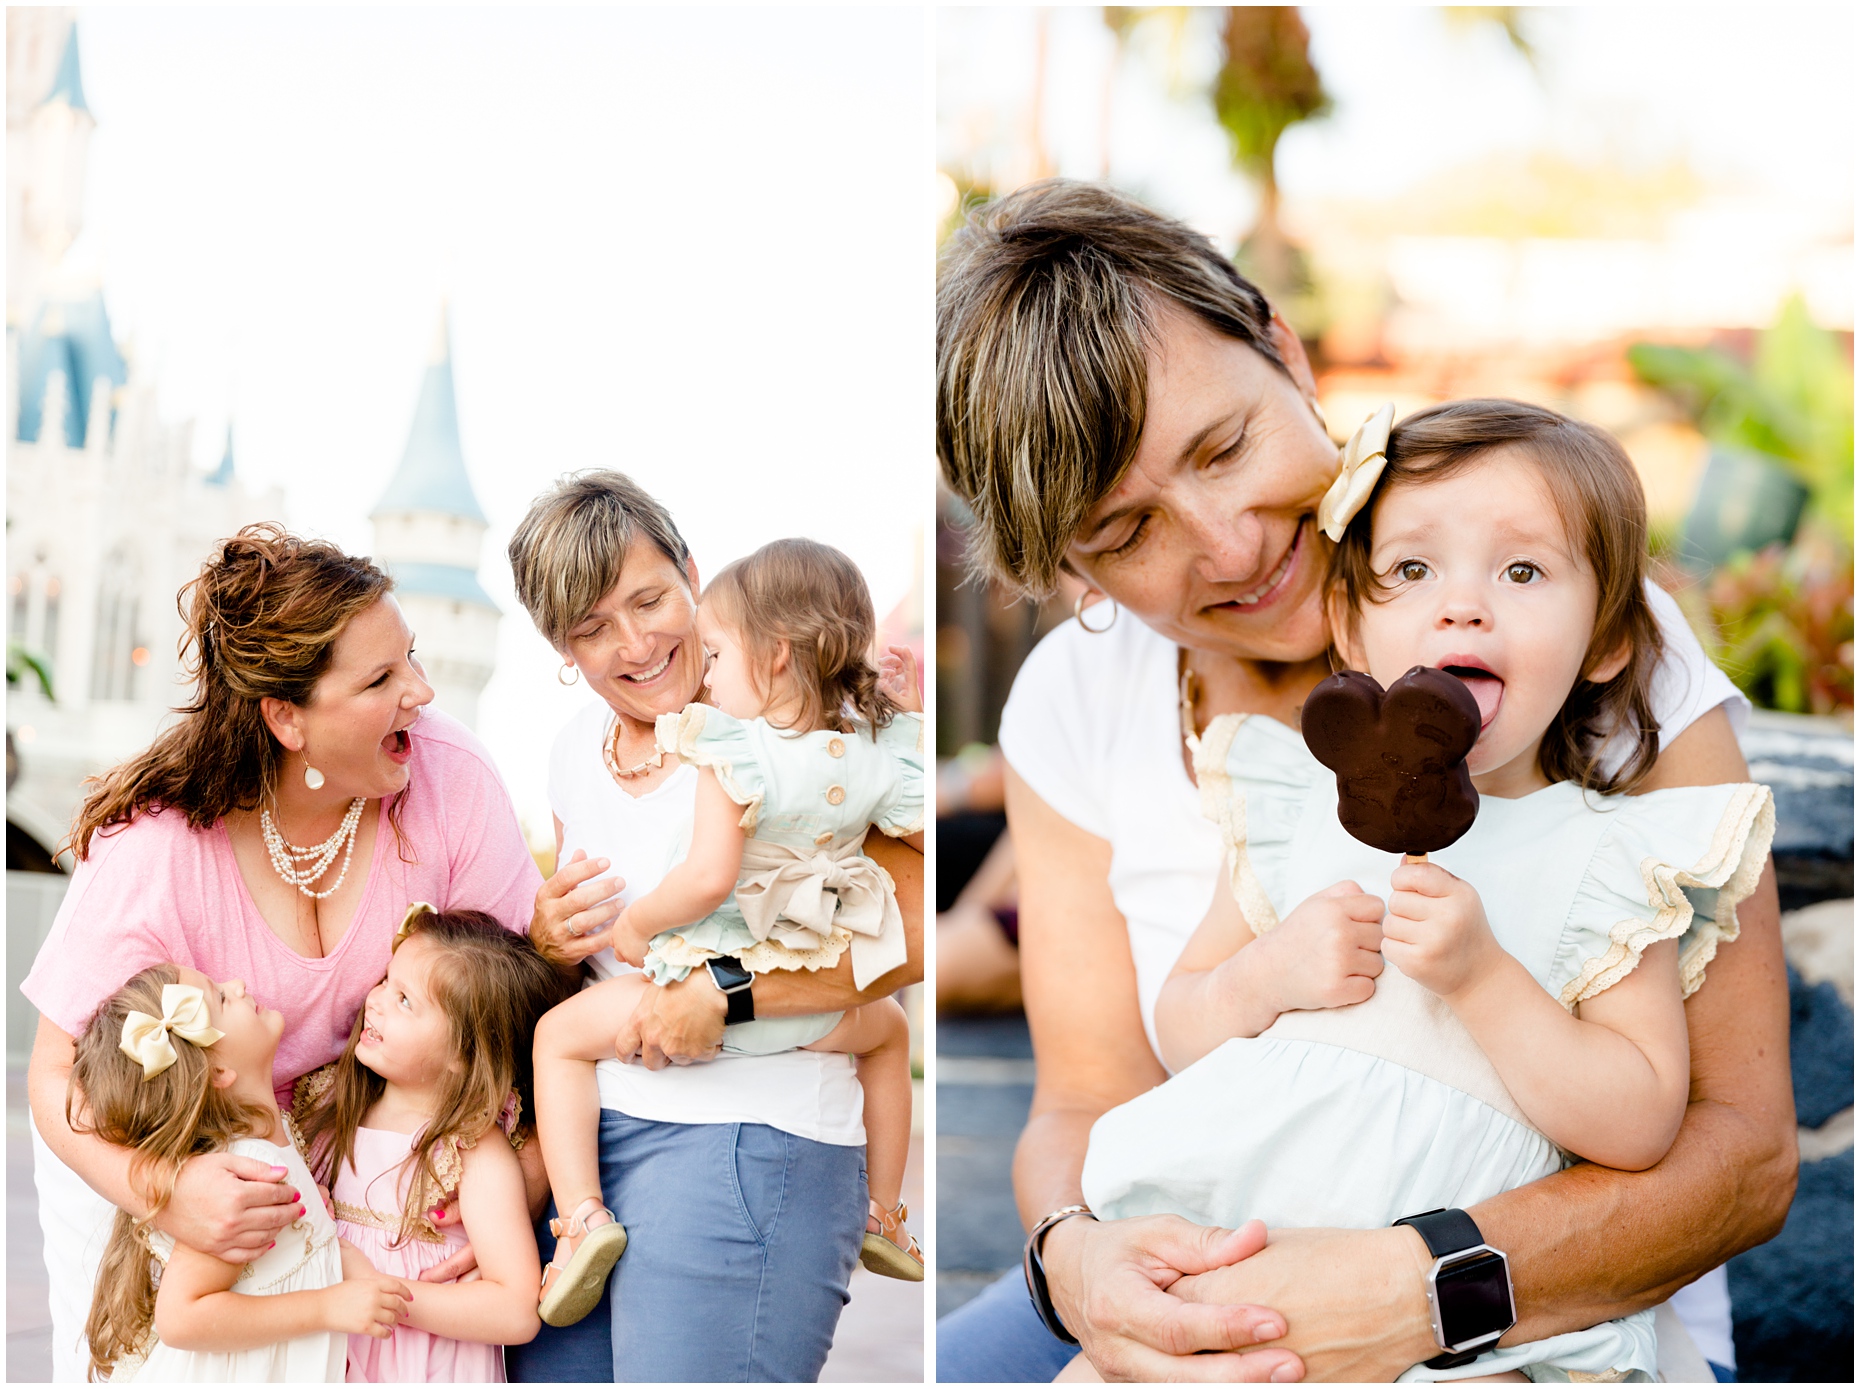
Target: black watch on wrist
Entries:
(1468, 1288)
(733, 981)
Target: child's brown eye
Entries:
(1520, 573)
(1411, 570)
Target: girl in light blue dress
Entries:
(1361, 1038)
(806, 747)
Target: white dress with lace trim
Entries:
(1355, 1116)
(306, 1257)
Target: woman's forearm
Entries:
(1049, 1159)
(103, 1166)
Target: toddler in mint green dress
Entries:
(1361, 1037)
(807, 892)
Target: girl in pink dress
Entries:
(431, 1071)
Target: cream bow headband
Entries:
(1360, 463)
(415, 911)
(183, 1010)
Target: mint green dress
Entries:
(1353, 1117)
(807, 894)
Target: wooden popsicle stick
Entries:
(1414, 858)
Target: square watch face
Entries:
(1473, 1298)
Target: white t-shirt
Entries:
(808, 1093)
(1093, 726)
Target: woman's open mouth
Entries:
(1486, 687)
(1274, 584)
(398, 746)
(646, 677)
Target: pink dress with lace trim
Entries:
(369, 1198)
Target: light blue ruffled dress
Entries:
(1353, 1117)
(806, 893)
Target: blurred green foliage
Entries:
(21, 662)
(1783, 627)
(1793, 401)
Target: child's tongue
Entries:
(1487, 689)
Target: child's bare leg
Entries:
(570, 1038)
(878, 1036)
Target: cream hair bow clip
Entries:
(1361, 462)
(183, 1010)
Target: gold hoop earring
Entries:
(1078, 614)
(568, 665)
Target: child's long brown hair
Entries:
(165, 1119)
(1599, 499)
(492, 986)
(814, 598)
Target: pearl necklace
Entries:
(302, 867)
(610, 750)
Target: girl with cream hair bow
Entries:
(172, 1066)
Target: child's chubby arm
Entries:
(1230, 983)
(1608, 1082)
(499, 1306)
(698, 886)
(196, 1308)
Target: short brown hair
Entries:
(571, 545)
(814, 598)
(1599, 499)
(262, 621)
(1046, 305)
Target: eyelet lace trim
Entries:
(1733, 864)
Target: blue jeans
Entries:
(740, 1243)
(997, 1338)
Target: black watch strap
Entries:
(1444, 1232)
(736, 984)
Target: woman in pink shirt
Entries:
(274, 834)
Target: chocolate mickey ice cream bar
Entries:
(1400, 757)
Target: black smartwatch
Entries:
(1468, 1288)
(733, 981)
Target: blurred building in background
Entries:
(106, 517)
(429, 534)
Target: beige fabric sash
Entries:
(795, 897)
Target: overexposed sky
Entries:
(1759, 99)
(691, 244)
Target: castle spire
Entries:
(68, 86)
(432, 476)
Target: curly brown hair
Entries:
(813, 598)
(164, 1120)
(1599, 499)
(261, 621)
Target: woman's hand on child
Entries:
(230, 1207)
(574, 909)
(1436, 932)
(675, 1025)
(461, 1265)
(1327, 951)
(897, 677)
(368, 1306)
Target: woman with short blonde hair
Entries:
(1116, 401)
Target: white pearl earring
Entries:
(312, 777)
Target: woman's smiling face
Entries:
(356, 721)
(1210, 536)
(638, 646)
